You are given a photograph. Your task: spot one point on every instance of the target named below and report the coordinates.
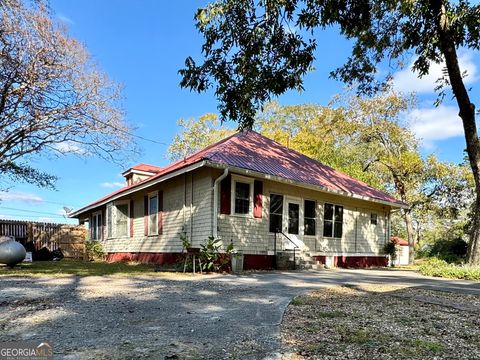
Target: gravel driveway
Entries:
(172, 317)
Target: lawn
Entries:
(78, 267)
(382, 322)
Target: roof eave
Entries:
(139, 187)
(305, 185)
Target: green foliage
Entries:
(390, 248)
(452, 251)
(185, 241)
(94, 250)
(252, 53)
(197, 134)
(212, 258)
(440, 268)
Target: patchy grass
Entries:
(80, 268)
(440, 268)
(382, 322)
(300, 300)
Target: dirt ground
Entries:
(240, 316)
(382, 322)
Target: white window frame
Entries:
(376, 218)
(333, 220)
(151, 195)
(283, 208)
(244, 180)
(113, 232)
(99, 229)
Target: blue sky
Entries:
(142, 44)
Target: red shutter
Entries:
(145, 215)
(257, 198)
(225, 195)
(132, 216)
(160, 212)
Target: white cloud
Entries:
(69, 147)
(20, 197)
(111, 185)
(407, 81)
(65, 19)
(434, 124)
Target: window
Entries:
(153, 214)
(242, 197)
(293, 218)
(276, 212)
(96, 226)
(333, 221)
(121, 220)
(373, 218)
(117, 219)
(309, 217)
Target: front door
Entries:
(293, 217)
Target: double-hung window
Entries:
(333, 221)
(117, 219)
(153, 214)
(96, 226)
(276, 212)
(310, 217)
(242, 198)
(373, 218)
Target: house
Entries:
(251, 191)
(402, 250)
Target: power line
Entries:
(129, 133)
(31, 211)
(9, 216)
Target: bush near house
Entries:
(441, 268)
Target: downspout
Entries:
(215, 202)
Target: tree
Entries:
(256, 50)
(197, 134)
(53, 99)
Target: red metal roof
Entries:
(147, 167)
(251, 151)
(399, 241)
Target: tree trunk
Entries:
(466, 113)
(410, 234)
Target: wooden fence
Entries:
(36, 235)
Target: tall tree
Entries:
(251, 54)
(197, 134)
(53, 99)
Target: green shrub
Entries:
(390, 248)
(440, 268)
(212, 258)
(94, 250)
(452, 251)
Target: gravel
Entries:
(187, 317)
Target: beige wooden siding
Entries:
(182, 212)
(358, 237)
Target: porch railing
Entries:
(295, 247)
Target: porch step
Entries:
(303, 261)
